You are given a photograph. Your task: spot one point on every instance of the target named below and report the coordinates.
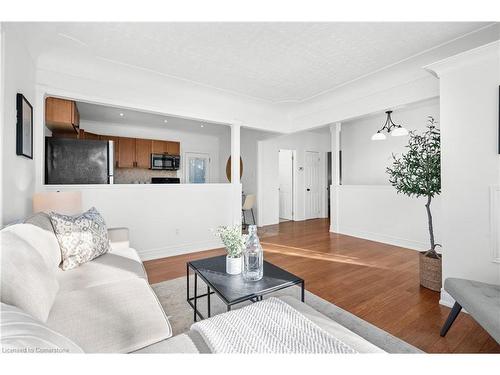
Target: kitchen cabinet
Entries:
(129, 152)
(166, 147)
(62, 116)
(143, 150)
(126, 153)
(173, 148)
(159, 147)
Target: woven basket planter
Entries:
(430, 272)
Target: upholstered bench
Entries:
(481, 300)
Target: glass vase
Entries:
(253, 263)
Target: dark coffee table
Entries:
(233, 289)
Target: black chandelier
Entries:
(391, 128)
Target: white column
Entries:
(235, 172)
(470, 164)
(334, 187)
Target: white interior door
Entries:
(197, 168)
(312, 201)
(286, 184)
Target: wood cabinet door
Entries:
(160, 147)
(126, 153)
(59, 115)
(116, 145)
(143, 148)
(173, 148)
(58, 111)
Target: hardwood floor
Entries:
(374, 281)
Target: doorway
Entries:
(286, 182)
(312, 185)
(197, 168)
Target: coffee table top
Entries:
(233, 288)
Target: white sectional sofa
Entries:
(105, 305)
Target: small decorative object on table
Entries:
(253, 263)
(234, 241)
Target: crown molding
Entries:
(484, 52)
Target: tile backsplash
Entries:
(137, 175)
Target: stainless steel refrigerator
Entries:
(78, 161)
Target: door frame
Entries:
(294, 179)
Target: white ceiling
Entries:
(275, 62)
(106, 114)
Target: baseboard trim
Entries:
(447, 300)
(178, 249)
(378, 237)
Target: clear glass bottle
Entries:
(253, 265)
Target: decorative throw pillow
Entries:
(81, 237)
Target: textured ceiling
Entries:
(275, 62)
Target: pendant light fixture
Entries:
(391, 128)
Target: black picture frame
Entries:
(24, 127)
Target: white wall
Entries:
(190, 142)
(102, 81)
(268, 173)
(248, 150)
(378, 213)
(18, 172)
(469, 85)
(367, 205)
(224, 154)
(249, 139)
(364, 161)
(164, 220)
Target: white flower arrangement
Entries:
(233, 239)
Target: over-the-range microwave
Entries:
(165, 162)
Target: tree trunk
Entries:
(432, 251)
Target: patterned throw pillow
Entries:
(81, 238)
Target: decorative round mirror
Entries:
(228, 168)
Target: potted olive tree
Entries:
(417, 173)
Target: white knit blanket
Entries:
(269, 326)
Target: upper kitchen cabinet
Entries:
(62, 116)
(143, 149)
(126, 153)
(173, 148)
(166, 147)
(159, 147)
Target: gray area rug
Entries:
(172, 296)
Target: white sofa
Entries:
(105, 305)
